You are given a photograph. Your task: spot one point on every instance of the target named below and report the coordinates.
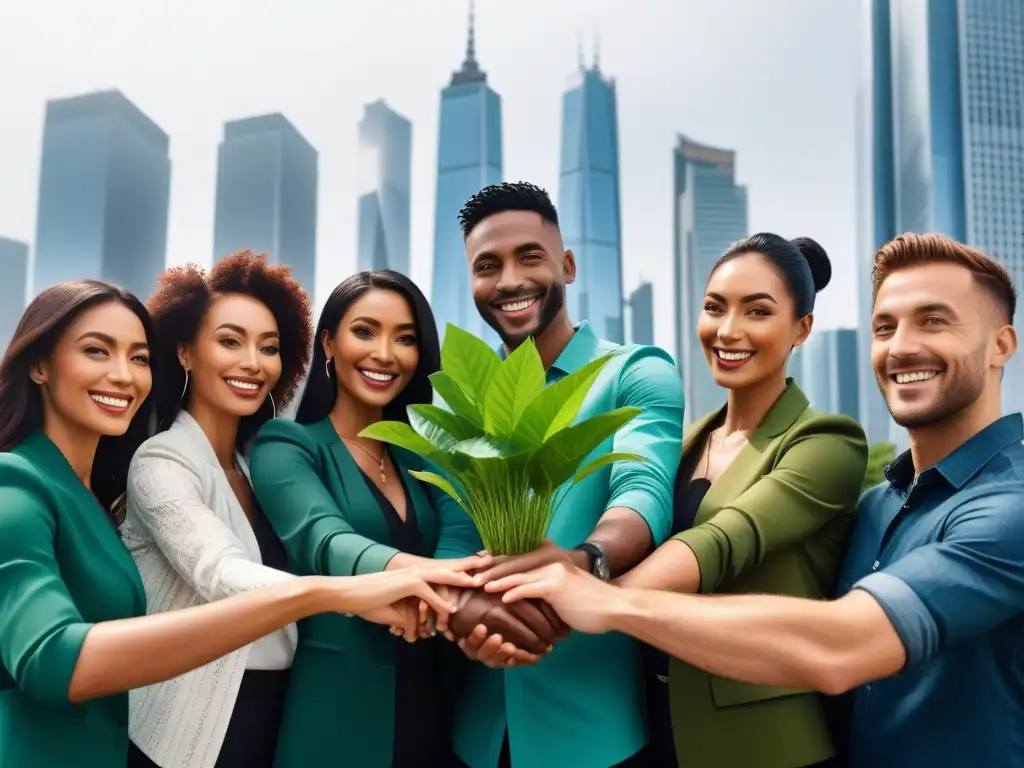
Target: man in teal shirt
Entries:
(582, 704)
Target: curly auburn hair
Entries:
(179, 304)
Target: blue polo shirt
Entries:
(944, 557)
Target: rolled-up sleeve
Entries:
(41, 630)
(315, 531)
(816, 479)
(961, 587)
(651, 382)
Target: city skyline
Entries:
(385, 185)
(795, 164)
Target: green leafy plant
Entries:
(508, 442)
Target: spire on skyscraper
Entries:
(579, 48)
(470, 72)
(597, 47)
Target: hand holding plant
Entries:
(509, 441)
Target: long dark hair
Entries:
(321, 389)
(21, 403)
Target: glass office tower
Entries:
(104, 187)
(267, 194)
(825, 367)
(589, 210)
(641, 314)
(469, 158)
(385, 180)
(710, 214)
(13, 288)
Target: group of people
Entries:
(188, 580)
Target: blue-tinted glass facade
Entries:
(710, 214)
(641, 314)
(825, 366)
(385, 170)
(588, 202)
(267, 194)
(13, 288)
(941, 124)
(469, 158)
(104, 186)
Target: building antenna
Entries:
(597, 46)
(579, 48)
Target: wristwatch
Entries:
(598, 561)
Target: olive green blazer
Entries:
(340, 703)
(63, 568)
(776, 521)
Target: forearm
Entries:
(673, 567)
(131, 653)
(759, 639)
(624, 536)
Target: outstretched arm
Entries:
(934, 597)
(56, 656)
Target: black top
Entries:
(421, 736)
(271, 547)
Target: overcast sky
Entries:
(773, 79)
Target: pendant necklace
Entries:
(380, 461)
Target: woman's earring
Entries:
(327, 366)
(185, 388)
(272, 404)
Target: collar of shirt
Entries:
(964, 462)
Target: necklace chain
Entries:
(380, 461)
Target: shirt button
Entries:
(875, 565)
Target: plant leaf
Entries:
(560, 456)
(469, 362)
(457, 426)
(402, 435)
(454, 397)
(519, 380)
(603, 461)
(438, 437)
(437, 481)
(558, 404)
(487, 447)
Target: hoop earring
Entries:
(327, 366)
(185, 388)
(272, 404)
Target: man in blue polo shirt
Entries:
(928, 634)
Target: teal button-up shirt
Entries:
(583, 704)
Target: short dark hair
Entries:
(507, 196)
(911, 250)
(321, 387)
(42, 324)
(804, 265)
(181, 301)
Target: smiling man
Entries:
(929, 631)
(581, 705)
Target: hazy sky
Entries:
(773, 79)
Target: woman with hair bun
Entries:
(75, 386)
(764, 501)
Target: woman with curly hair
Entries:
(232, 345)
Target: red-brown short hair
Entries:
(180, 302)
(910, 250)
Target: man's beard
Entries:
(953, 397)
(551, 303)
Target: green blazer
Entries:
(340, 704)
(63, 569)
(776, 521)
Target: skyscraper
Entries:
(385, 179)
(940, 147)
(13, 288)
(825, 366)
(588, 200)
(469, 158)
(710, 213)
(104, 185)
(267, 194)
(641, 314)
